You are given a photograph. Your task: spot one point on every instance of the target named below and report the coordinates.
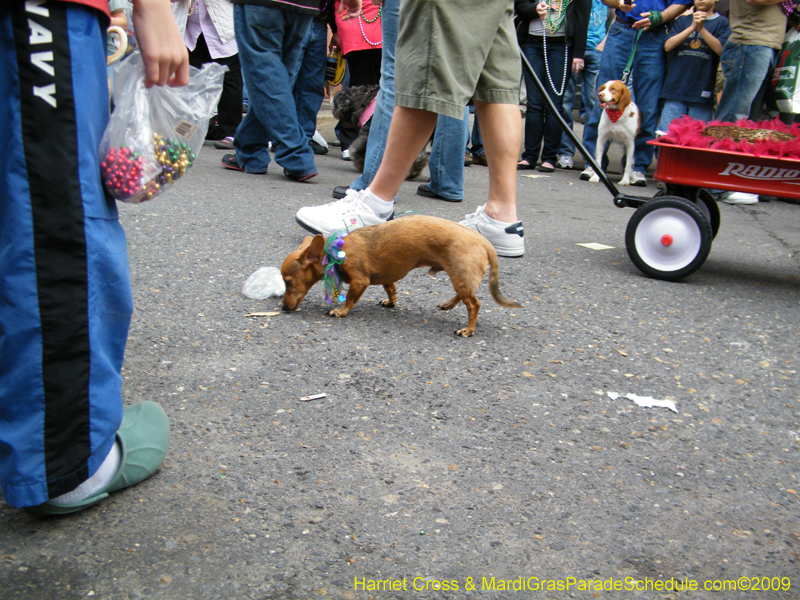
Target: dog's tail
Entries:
(494, 281)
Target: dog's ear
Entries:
(624, 97)
(315, 250)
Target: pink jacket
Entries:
(356, 34)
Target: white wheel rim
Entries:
(668, 239)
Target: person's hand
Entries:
(377, 2)
(334, 45)
(541, 10)
(577, 65)
(166, 59)
(643, 23)
(626, 8)
(699, 20)
(349, 9)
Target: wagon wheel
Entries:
(706, 203)
(668, 238)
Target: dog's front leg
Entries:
(391, 291)
(353, 294)
(626, 175)
(598, 156)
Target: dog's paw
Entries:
(625, 181)
(386, 303)
(464, 332)
(594, 179)
(338, 313)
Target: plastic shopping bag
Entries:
(785, 85)
(155, 134)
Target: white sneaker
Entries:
(348, 213)
(587, 174)
(508, 241)
(638, 179)
(564, 162)
(739, 198)
(346, 154)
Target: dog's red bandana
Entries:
(614, 114)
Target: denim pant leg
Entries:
(271, 43)
(384, 105)
(649, 67)
(447, 156)
(673, 109)
(567, 148)
(309, 89)
(477, 141)
(588, 76)
(745, 68)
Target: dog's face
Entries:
(614, 94)
(351, 102)
(301, 270)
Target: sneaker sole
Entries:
(436, 196)
(232, 168)
(307, 227)
(509, 253)
(303, 178)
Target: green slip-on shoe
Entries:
(143, 437)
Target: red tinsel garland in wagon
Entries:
(762, 138)
(756, 157)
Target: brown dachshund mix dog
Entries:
(383, 254)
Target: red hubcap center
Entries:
(666, 239)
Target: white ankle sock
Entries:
(381, 207)
(96, 482)
(496, 222)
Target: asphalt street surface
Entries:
(507, 465)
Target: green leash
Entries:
(656, 20)
(627, 72)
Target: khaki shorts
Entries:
(451, 51)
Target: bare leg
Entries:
(410, 130)
(501, 128)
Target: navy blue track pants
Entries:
(65, 292)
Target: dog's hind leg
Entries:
(391, 291)
(473, 306)
(452, 303)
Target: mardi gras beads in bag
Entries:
(154, 134)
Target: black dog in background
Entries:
(348, 106)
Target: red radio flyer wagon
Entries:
(669, 236)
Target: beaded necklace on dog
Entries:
(363, 19)
(553, 24)
(333, 259)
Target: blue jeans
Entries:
(384, 105)
(591, 66)
(745, 69)
(649, 67)
(476, 140)
(447, 156)
(309, 89)
(674, 109)
(271, 43)
(540, 123)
